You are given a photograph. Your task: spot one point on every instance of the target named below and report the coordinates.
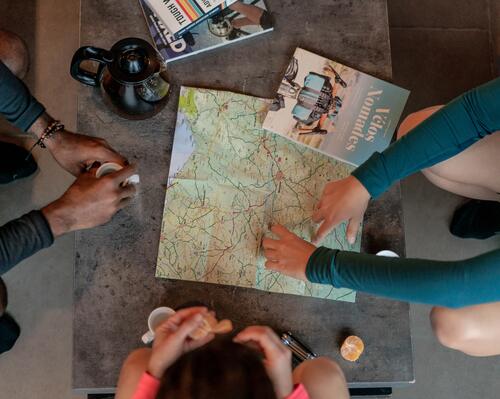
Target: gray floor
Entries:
(440, 48)
(41, 287)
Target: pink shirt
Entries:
(148, 388)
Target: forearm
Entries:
(17, 104)
(452, 284)
(23, 237)
(446, 133)
(40, 124)
(249, 11)
(147, 388)
(38, 128)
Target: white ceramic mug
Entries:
(110, 167)
(157, 316)
(389, 254)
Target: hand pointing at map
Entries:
(288, 254)
(342, 200)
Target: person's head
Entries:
(220, 369)
(14, 53)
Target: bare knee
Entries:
(451, 329)
(415, 119)
(326, 367)
(14, 53)
(130, 374)
(321, 375)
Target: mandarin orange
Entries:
(352, 348)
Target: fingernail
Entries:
(351, 240)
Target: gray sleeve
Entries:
(22, 237)
(17, 104)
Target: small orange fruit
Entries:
(352, 348)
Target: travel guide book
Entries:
(180, 16)
(228, 26)
(336, 110)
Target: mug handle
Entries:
(148, 337)
(99, 55)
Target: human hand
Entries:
(342, 200)
(277, 357)
(76, 152)
(288, 254)
(90, 201)
(172, 339)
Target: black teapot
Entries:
(130, 75)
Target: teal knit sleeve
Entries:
(446, 133)
(453, 284)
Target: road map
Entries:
(228, 181)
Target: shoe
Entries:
(9, 333)
(3, 297)
(9, 329)
(15, 163)
(476, 219)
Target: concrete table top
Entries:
(115, 286)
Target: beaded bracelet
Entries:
(49, 132)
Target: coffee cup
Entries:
(110, 167)
(157, 316)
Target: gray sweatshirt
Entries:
(22, 237)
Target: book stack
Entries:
(182, 28)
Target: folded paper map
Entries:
(228, 180)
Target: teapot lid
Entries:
(134, 61)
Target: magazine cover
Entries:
(334, 109)
(178, 15)
(242, 20)
(215, 11)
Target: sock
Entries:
(476, 219)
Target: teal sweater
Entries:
(452, 284)
(446, 133)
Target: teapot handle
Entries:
(99, 55)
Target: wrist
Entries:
(57, 218)
(156, 370)
(40, 126)
(360, 187)
(285, 388)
